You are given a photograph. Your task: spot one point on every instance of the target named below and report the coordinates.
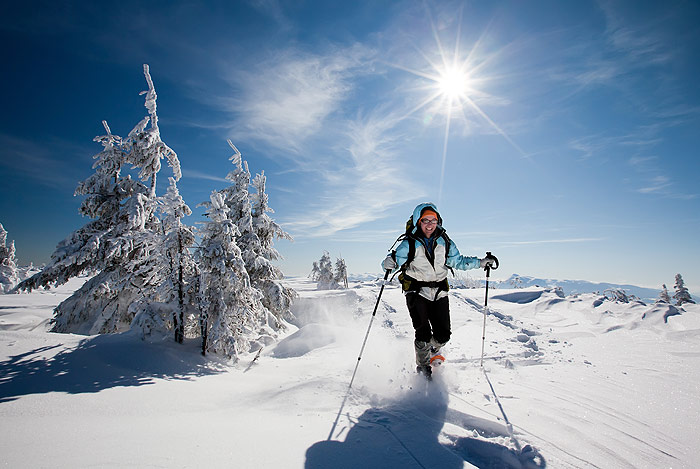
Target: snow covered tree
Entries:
(341, 272)
(231, 309)
(682, 294)
(178, 275)
(516, 281)
(257, 234)
(146, 148)
(264, 274)
(315, 272)
(9, 276)
(663, 295)
(326, 278)
(120, 243)
(618, 295)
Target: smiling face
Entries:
(428, 224)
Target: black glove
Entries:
(489, 262)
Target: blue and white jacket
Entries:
(432, 268)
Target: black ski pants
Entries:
(430, 318)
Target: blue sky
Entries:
(570, 150)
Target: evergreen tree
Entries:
(9, 276)
(682, 294)
(341, 273)
(663, 295)
(146, 148)
(265, 275)
(315, 272)
(326, 278)
(231, 310)
(257, 234)
(120, 244)
(179, 272)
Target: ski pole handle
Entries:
(489, 266)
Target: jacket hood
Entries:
(419, 210)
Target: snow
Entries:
(585, 381)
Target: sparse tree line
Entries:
(154, 273)
(328, 276)
(681, 295)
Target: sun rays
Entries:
(452, 83)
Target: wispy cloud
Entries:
(194, 174)
(274, 9)
(664, 186)
(640, 139)
(46, 164)
(657, 184)
(638, 42)
(550, 241)
(287, 99)
(367, 182)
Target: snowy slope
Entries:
(586, 382)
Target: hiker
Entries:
(424, 256)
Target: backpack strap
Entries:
(448, 242)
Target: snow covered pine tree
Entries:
(9, 277)
(663, 295)
(231, 308)
(277, 297)
(254, 308)
(682, 294)
(175, 296)
(119, 243)
(341, 273)
(326, 278)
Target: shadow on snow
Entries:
(98, 363)
(405, 433)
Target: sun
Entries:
(453, 85)
(453, 82)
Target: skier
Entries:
(424, 256)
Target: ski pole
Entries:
(487, 268)
(359, 357)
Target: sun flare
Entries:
(455, 86)
(453, 83)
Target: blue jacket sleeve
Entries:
(401, 254)
(460, 262)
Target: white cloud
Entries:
(288, 98)
(370, 182)
(552, 241)
(656, 185)
(190, 173)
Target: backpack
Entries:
(408, 283)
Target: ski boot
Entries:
(426, 371)
(436, 358)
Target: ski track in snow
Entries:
(586, 383)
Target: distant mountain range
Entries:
(569, 287)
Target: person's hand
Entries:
(389, 263)
(489, 261)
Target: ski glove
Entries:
(389, 263)
(489, 261)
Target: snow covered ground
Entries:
(585, 382)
